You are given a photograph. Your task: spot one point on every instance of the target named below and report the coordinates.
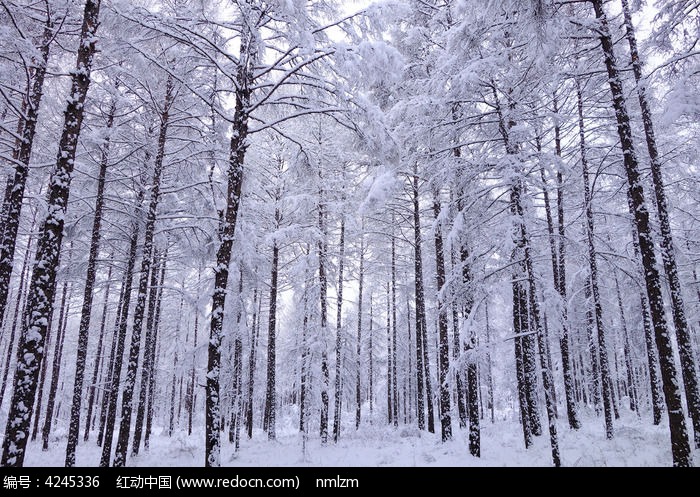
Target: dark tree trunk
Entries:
(370, 353)
(251, 366)
(389, 383)
(394, 353)
(323, 288)
(680, 445)
(271, 384)
(339, 338)
(223, 255)
(14, 194)
(520, 327)
(592, 260)
(444, 351)
(358, 363)
(668, 254)
(30, 350)
(141, 298)
(558, 271)
(190, 393)
(116, 362)
(490, 404)
(84, 329)
(422, 364)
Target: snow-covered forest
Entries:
(326, 232)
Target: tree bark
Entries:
(680, 446)
(118, 351)
(338, 338)
(271, 383)
(593, 263)
(358, 363)
(444, 351)
(84, 329)
(668, 253)
(12, 202)
(41, 288)
(223, 255)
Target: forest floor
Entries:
(636, 443)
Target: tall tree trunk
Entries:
(323, 288)
(668, 254)
(338, 337)
(524, 244)
(223, 255)
(358, 363)
(592, 260)
(271, 384)
(469, 345)
(520, 326)
(370, 353)
(42, 285)
(141, 297)
(84, 329)
(251, 366)
(389, 383)
(394, 353)
(558, 264)
(118, 351)
(12, 202)
(444, 351)
(490, 404)
(190, 395)
(422, 364)
(680, 446)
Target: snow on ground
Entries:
(636, 443)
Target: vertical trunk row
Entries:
(680, 445)
(57, 357)
(117, 354)
(86, 311)
(146, 370)
(30, 350)
(592, 260)
(141, 298)
(668, 254)
(99, 356)
(12, 202)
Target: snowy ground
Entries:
(636, 443)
